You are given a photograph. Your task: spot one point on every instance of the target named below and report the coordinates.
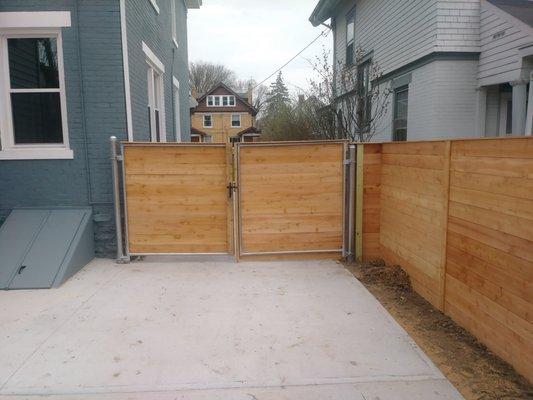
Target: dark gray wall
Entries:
(96, 110)
(144, 24)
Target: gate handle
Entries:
(231, 186)
(22, 267)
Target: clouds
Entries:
(254, 37)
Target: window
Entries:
(401, 96)
(365, 96)
(350, 37)
(217, 101)
(156, 102)
(174, 22)
(155, 105)
(33, 118)
(177, 118)
(208, 121)
(235, 120)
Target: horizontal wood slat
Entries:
(176, 198)
(473, 211)
(291, 197)
(372, 161)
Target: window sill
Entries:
(34, 153)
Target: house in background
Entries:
(72, 74)
(221, 114)
(454, 68)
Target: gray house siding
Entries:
(442, 102)
(95, 107)
(437, 43)
(501, 38)
(144, 24)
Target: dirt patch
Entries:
(473, 369)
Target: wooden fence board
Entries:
(458, 216)
(372, 161)
(291, 197)
(176, 198)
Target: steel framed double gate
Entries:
(247, 199)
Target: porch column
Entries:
(519, 107)
(481, 111)
(529, 118)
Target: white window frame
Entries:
(203, 120)
(155, 6)
(10, 150)
(177, 114)
(218, 101)
(240, 122)
(155, 80)
(174, 23)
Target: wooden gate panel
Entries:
(291, 197)
(176, 198)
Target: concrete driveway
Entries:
(209, 330)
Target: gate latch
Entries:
(231, 187)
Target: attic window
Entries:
(220, 101)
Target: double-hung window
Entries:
(350, 37)
(208, 121)
(33, 111)
(235, 120)
(156, 103)
(401, 102)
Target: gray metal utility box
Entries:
(42, 248)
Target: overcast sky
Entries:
(255, 37)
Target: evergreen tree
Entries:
(278, 99)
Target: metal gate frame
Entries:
(124, 254)
(348, 210)
(234, 186)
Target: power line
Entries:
(323, 33)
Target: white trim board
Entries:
(126, 69)
(35, 19)
(154, 60)
(10, 150)
(155, 6)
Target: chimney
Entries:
(249, 96)
(301, 99)
(194, 94)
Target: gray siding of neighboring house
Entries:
(95, 107)
(442, 93)
(492, 123)
(145, 25)
(457, 25)
(442, 102)
(500, 60)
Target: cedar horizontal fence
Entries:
(458, 217)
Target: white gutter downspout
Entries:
(126, 68)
